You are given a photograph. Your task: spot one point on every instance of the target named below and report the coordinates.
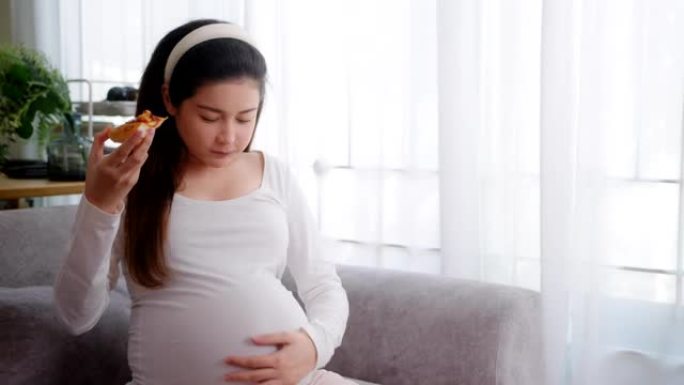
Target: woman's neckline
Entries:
(235, 199)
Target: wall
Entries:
(5, 22)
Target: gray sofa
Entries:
(403, 328)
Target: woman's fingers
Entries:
(255, 362)
(279, 338)
(97, 150)
(296, 356)
(258, 375)
(125, 150)
(138, 156)
(110, 178)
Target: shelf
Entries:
(107, 108)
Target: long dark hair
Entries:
(149, 202)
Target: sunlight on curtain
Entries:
(355, 91)
(584, 204)
(618, 278)
(111, 41)
(489, 99)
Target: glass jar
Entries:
(68, 153)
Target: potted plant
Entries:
(34, 97)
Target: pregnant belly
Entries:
(188, 344)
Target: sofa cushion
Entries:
(33, 244)
(37, 349)
(408, 328)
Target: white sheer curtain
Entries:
(34, 24)
(611, 189)
(560, 169)
(558, 164)
(110, 42)
(354, 93)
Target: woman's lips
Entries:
(221, 153)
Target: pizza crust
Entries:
(144, 121)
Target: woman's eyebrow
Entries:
(220, 111)
(213, 109)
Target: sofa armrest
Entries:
(37, 348)
(408, 328)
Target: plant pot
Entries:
(27, 149)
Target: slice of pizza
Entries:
(144, 121)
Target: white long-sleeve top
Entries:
(226, 259)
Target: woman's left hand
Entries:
(296, 356)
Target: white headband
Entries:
(200, 35)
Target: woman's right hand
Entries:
(110, 178)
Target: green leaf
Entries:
(11, 91)
(47, 104)
(19, 73)
(25, 130)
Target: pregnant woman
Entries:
(203, 229)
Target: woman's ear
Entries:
(167, 100)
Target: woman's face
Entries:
(217, 123)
